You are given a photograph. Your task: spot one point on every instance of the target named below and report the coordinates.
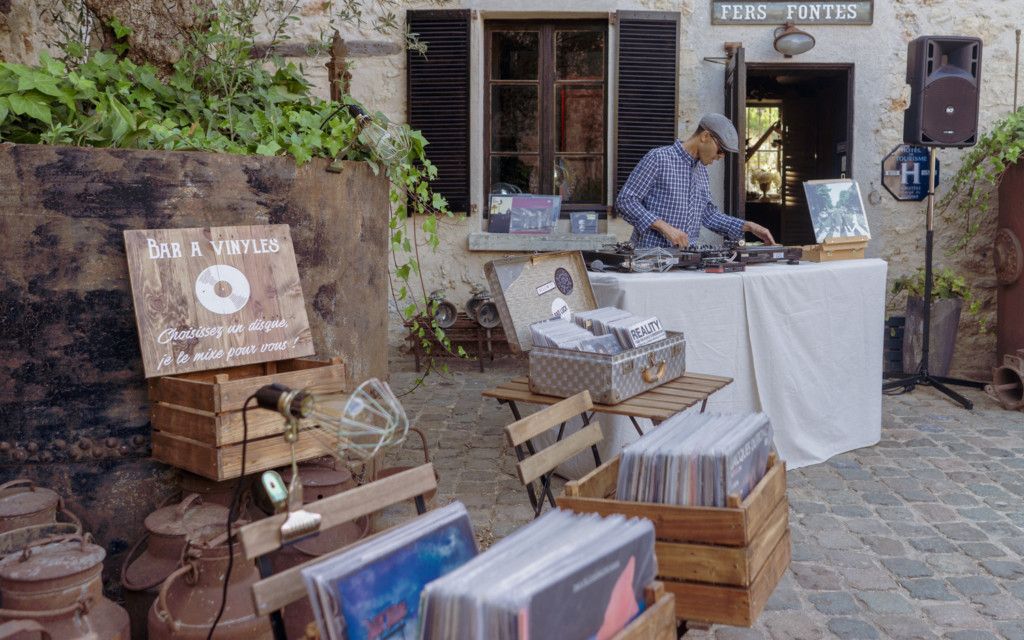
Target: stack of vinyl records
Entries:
(565, 576)
(373, 589)
(696, 460)
(632, 331)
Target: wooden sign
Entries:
(855, 12)
(217, 297)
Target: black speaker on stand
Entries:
(944, 74)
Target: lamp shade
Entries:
(790, 41)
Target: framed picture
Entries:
(583, 222)
(837, 210)
(525, 213)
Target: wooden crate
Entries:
(836, 249)
(657, 622)
(197, 417)
(722, 564)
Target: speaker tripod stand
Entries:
(923, 377)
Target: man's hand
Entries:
(676, 237)
(764, 234)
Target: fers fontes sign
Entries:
(216, 297)
(779, 12)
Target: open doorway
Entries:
(797, 120)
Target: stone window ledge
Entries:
(484, 241)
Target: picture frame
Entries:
(524, 213)
(836, 209)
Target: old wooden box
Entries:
(535, 288)
(657, 622)
(836, 249)
(721, 564)
(197, 417)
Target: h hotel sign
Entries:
(859, 12)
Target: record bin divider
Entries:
(273, 592)
(722, 563)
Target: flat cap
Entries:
(722, 128)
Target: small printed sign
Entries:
(860, 12)
(645, 332)
(216, 297)
(905, 172)
(544, 288)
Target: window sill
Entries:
(484, 241)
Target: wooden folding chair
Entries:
(274, 592)
(533, 464)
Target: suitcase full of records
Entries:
(533, 289)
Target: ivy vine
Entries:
(969, 199)
(220, 98)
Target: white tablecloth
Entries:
(802, 342)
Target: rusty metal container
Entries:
(159, 552)
(23, 504)
(1009, 262)
(318, 481)
(58, 585)
(191, 596)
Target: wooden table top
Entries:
(657, 404)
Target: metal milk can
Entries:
(162, 546)
(191, 595)
(318, 482)
(23, 504)
(57, 584)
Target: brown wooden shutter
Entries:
(438, 97)
(646, 86)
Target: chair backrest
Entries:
(519, 432)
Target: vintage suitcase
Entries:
(534, 288)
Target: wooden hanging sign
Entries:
(216, 297)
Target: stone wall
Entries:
(25, 28)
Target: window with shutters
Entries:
(545, 121)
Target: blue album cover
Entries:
(380, 599)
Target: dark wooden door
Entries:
(800, 161)
(736, 110)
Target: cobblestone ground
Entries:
(919, 536)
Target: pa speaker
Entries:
(944, 74)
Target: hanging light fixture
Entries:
(790, 41)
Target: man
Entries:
(668, 197)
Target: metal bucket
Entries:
(159, 552)
(1008, 387)
(57, 584)
(390, 471)
(318, 482)
(190, 597)
(23, 504)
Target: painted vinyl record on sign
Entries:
(222, 289)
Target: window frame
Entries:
(546, 96)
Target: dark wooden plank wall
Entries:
(73, 406)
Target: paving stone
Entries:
(934, 544)
(851, 559)
(884, 546)
(907, 568)
(1004, 569)
(868, 579)
(961, 531)
(793, 626)
(814, 577)
(852, 629)
(783, 600)
(851, 511)
(1000, 606)
(839, 540)
(911, 529)
(982, 550)
(807, 552)
(733, 633)
(974, 586)
(807, 507)
(905, 627)
(834, 603)
(981, 514)
(958, 499)
(971, 634)
(1011, 630)
(935, 512)
(867, 525)
(1016, 588)
(927, 589)
(882, 498)
(889, 514)
(885, 602)
(822, 522)
(956, 616)
(952, 564)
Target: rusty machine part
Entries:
(1008, 387)
(445, 313)
(483, 310)
(190, 597)
(57, 583)
(159, 552)
(84, 449)
(23, 504)
(390, 471)
(318, 482)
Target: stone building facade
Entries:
(873, 55)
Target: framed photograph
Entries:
(526, 213)
(583, 222)
(837, 210)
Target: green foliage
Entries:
(969, 199)
(946, 285)
(218, 98)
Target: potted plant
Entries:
(949, 294)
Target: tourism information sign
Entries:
(905, 172)
(859, 12)
(216, 297)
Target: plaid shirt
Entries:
(671, 185)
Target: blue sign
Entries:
(905, 172)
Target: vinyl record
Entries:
(222, 289)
